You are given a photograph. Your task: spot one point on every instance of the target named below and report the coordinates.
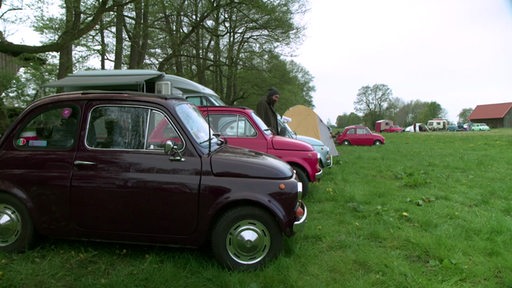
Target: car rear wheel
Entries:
(246, 238)
(16, 228)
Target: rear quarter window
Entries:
(53, 128)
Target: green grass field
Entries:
(423, 210)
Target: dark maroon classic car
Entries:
(89, 165)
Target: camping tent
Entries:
(306, 122)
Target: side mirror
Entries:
(170, 148)
(220, 139)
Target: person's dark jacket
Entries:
(265, 110)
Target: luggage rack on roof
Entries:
(176, 93)
(134, 80)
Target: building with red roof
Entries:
(494, 115)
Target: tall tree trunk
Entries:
(65, 61)
(103, 44)
(140, 36)
(72, 22)
(119, 49)
(145, 34)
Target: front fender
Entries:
(255, 195)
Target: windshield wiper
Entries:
(207, 140)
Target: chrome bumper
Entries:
(318, 174)
(328, 161)
(298, 225)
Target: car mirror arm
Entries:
(220, 140)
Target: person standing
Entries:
(265, 110)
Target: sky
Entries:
(457, 53)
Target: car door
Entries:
(364, 136)
(38, 158)
(239, 131)
(129, 186)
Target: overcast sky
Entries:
(457, 53)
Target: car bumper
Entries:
(318, 174)
(298, 226)
(328, 161)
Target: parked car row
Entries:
(420, 127)
(152, 168)
(466, 127)
(363, 136)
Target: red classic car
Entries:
(241, 127)
(359, 135)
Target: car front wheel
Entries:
(246, 238)
(345, 142)
(303, 179)
(16, 229)
(377, 142)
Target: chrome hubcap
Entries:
(10, 225)
(248, 241)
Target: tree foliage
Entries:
(371, 102)
(416, 112)
(348, 119)
(376, 102)
(236, 47)
(464, 115)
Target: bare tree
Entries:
(371, 102)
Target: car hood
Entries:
(310, 140)
(255, 164)
(284, 143)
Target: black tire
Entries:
(345, 142)
(377, 142)
(304, 179)
(253, 227)
(16, 228)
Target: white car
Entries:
(417, 127)
(479, 127)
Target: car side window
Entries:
(161, 130)
(129, 127)
(55, 128)
(232, 125)
(351, 131)
(362, 131)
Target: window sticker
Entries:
(55, 127)
(38, 143)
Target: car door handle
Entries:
(78, 162)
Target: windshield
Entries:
(216, 101)
(196, 125)
(261, 124)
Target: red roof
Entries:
(491, 111)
